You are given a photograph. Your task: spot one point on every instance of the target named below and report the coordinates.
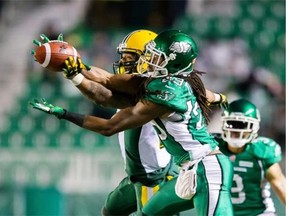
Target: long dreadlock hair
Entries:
(199, 90)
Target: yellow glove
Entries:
(222, 103)
(72, 68)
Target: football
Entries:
(53, 54)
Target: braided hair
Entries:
(199, 90)
(197, 86)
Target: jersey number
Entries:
(161, 133)
(238, 189)
(196, 112)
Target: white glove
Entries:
(186, 183)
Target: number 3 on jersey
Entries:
(238, 189)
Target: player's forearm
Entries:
(94, 91)
(278, 181)
(103, 96)
(99, 125)
(279, 187)
(106, 127)
(97, 75)
(91, 123)
(212, 96)
(126, 83)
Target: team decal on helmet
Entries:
(180, 47)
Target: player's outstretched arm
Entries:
(125, 83)
(98, 75)
(278, 181)
(130, 117)
(104, 96)
(93, 82)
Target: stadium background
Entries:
(51, 167)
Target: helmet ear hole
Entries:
(177, 66)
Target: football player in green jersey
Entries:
(147, 163)
(175, 101)
(255, 160)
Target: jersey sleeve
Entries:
(267, 150)
(171, 93)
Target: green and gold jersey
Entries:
(146, 160)
(184, 133)
(251, 190)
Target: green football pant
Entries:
(214, 180)
(122, 200)
(125, 198)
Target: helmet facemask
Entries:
(153, 62)
(238, 123)
(124, 66)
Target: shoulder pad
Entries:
(264, 146)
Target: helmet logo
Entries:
(180, 47)
(121, 46)
(165, 96)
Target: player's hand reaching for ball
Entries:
(44, 106)
(45, 39)
(72, 68)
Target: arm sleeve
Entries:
(75, 118)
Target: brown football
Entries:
(53, 54)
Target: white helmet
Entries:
(240, 123)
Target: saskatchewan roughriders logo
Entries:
(165, 96)
(180, 47)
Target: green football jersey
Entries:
(250, 190)
(184, 133)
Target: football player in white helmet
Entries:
(255, 160)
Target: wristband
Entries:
(75, 118)
(77, 79)
(217, 98)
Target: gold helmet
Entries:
(133, 43)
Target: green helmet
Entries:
(172, 52)
(240, 123)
